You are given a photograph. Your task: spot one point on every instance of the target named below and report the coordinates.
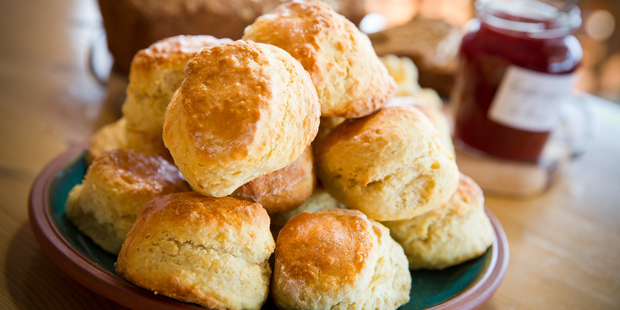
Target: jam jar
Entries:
(516, 66)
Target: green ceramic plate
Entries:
(465, 286)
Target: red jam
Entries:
(485, 55)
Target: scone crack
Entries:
(379, 277)
(423, 196)
(180, 248)
(415, 162)
(428, 237)
(431, 227)
(428, 227)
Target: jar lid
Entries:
(537, 19)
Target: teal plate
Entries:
(465, 286)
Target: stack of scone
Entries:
(240, 124)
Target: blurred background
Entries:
(561, 256)
(133, 25)
(599, 35)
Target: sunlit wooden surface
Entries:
(564, 245)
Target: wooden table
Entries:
(564, 245)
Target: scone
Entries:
(349, 77)
(447, 236)
(441, 123)
(109, 137)
(404, 72)
(390, 165)
(210, 251)
(282, 190)
(338, 259)
(116, 135)
(319, 201)
(156, 73)
(437, 117)
(115, 187)
(245, 109)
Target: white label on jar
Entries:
(530, 100)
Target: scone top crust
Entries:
(350, 79)
(244, 109)
(434, 113)
(326, 253)
(399, 169)
(170, 51)
(136, 173)
(296, 28)
(372, 139)
(227, 224)
(156, 73)
(341, 243)
(239, 74)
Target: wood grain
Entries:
(565, 248)
(565, 244)
(48, 101)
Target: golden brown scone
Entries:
(245, 109)
(319, 201)
(456, 232)
(349, 77)
(210, 251)
(338, 259)
(107, 138)
(404, 72)
(441, 123)
(390, 165)
(282, 190)
(115, 187)
(116, 135)
(147, 143)
(435, 115)
(156, 73)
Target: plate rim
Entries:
(74, 263)
(97, 279)
(484, 287)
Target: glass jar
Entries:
(516, 67)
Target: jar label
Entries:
(530, 100)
